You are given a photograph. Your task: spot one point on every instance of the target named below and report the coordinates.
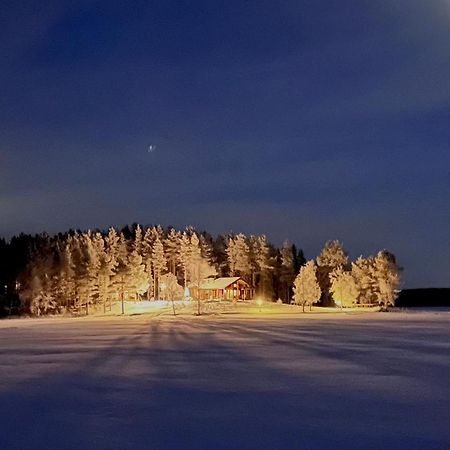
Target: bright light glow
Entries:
(259, 301)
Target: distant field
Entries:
(247, 379)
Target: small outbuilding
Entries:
(228, 288)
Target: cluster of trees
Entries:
(332, 278)
(76, 271)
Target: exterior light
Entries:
(259, 302)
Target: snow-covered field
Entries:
(236, 381)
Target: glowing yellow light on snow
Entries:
(259, 302)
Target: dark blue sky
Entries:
(307, 120)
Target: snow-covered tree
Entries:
(343, 288)
(92, 268)
(170, 289)
(39, 294)
(387, 276)
(306, 287)
(287, 270)
(159, 263)
(147, 249)
(220, 255)
(71, 272)
(171, 246)
(137, 281)
(264, 266)
(184, 253)
(252, 256)
(206, 247)
(199, 269)
(238, 253)
(138, 240)
(332, 257)
(43, 303)
(363, 271)
(120, 274)
(66, 277)
(195, 250)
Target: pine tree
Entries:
(306, 287)
(220, 255)
(159, 263)
(147, 248)
(138, 240)
(66, 278)
(112, 249)
(231, 255)
(184, 254)
(119, 262)
(171, 246)
(206, 247)
(92, 270)
(253, 252)
(195, 254)
(299, 258)
(264, 266)
(287, 270)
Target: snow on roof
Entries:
(218, 283)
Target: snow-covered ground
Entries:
(235, 381)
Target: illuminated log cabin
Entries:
(227, 288)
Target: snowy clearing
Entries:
(361, 380)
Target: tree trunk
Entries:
(173, 307)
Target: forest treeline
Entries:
(75, 271)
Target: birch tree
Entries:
(306, 287)
(343, 288)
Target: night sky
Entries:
(307, 120)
